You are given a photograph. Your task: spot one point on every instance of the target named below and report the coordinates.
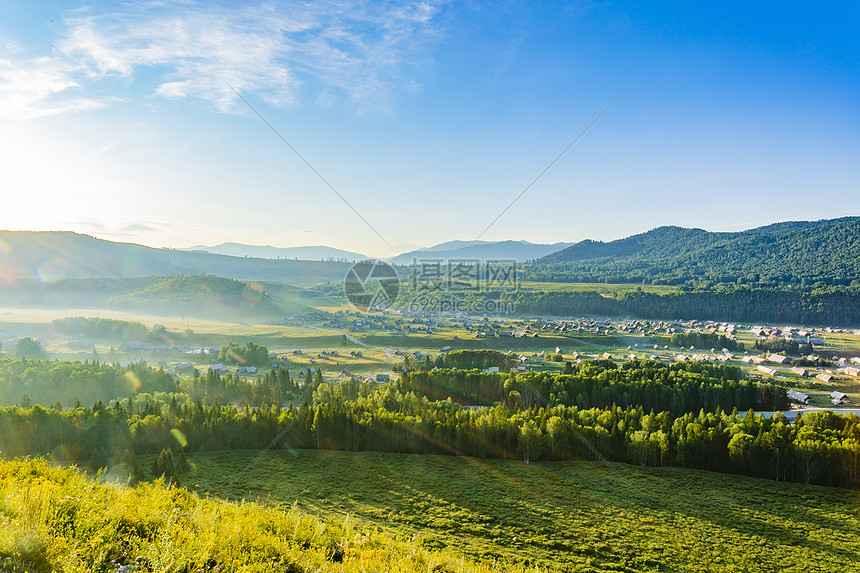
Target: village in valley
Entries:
(823, 371)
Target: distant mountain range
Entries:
(65, 255)
(482, 250)
(802, 252)
(319, 253)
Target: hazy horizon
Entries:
(405, 250)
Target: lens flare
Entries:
(180, 437)
(53, 269)
(8, 275)
(132, 380)
(236, 357)
(253, 292)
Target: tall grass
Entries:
(58, 519)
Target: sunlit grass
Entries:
(54, 519)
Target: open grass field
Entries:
(565, 516)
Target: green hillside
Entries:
(803, 252)
(64, 255)
(567, 516)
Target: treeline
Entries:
(821, 448)
(677, 388)
(104, 328)
(706, 340)
(826, 305)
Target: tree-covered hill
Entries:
(214, 296)
(791, 253)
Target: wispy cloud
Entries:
(40, 87)
(326, 52)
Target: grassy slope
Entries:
(57, 520)
(565, 515)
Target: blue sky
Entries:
(118, 119)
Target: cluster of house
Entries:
(824, 376)
(836, 398)
(725, 356)
(802, 335)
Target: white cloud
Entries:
(326, 51)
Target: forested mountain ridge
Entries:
(797, 252)
(66, 255)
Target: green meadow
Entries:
(564, 516)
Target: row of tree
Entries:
(827, 305)
(821, 448)
(101, 328)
